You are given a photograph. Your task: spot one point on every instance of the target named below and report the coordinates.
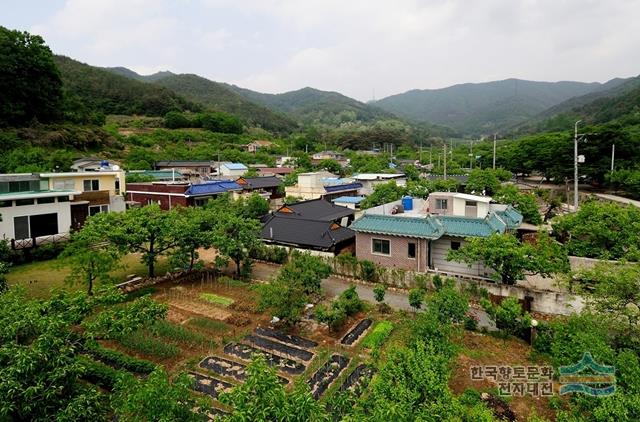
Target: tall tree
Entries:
(511, 259)
(30, 85)
(235, 237)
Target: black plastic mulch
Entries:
(322, 379)
(245, 352)
(209, 385)
(291, 339)
(358, 380)
(352, 336)
(276, 346)
(228, 368)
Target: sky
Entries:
(365, 49)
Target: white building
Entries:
(371, 180)
(233, 170)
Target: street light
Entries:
(575, 167)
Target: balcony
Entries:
(96, 197)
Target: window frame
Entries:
(382, 242)
(441, 201)
(415, 250)
(457, 244)
(91, 185)
(101, 208)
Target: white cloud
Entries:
(355, 46)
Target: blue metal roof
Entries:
(235, 166)
(349, 199)
(212, 188)
(338, 188)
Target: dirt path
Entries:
(333, 286)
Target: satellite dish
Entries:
(116, 167)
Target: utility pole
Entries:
(445, 160)
(575, 167)
(494, 151)
(613, 156)
(431, 155)
(471, 155)
(420, 152)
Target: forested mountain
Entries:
(219, 97)
(123, 71)
(619, 100)
(310, 105)
(88, 88)
(483, 108)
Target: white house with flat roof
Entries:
(370, 180)
(233, 170)
(31, 211)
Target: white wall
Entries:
(63, 209)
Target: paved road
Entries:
(333, 286)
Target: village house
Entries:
(269, 187)
(416, 234)
(329, 155)
(41, 207)
(257, 145)
(316, 225)
(94, 164)
(352, 202)
(322, 185)
(232, 170)
(371, 180)
(171, 194)
(190, 169)
(275, 171)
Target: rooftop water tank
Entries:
(407, 203)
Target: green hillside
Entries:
(312, 106)
(123, 71)
(483, 108)
(88, 87)
(220, 98)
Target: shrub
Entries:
(416, 297)
(99, 374)
(421, 281)
(333, 316)
(509, 316)
(119, 359)
(449, 304)
(379, 292)
(437, 281)
(470, 322)
(142, 342)
(378, 335)
(274, 254)
(349, 301)
(368, 271)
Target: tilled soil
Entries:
(228, 368)
(354, 335)
(209, 385)
(291, 339)
(358, 380)
(279, 348)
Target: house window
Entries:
(471, 203)
(91, 185)
(411, 250)
(65, 184)
(63, 199)
(21, 227)
(26, 227)
(4, 204)
(50, 200)
(441, 204)
(455, 245)
(95, 209)
(21, 202)
(380, 246)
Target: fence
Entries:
(37, 241)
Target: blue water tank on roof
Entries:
(407, 203)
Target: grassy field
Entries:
(40, 277)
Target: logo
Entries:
(588, 377)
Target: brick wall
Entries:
(398, 250)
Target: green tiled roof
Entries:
(511, 217)
(434, 227)
(422, 227)
(466, 227)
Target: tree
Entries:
(383, 193)
(483, 182)
(601, 230)
(330, 165)
(525, 203)
(511, 259)
(192, 229)
(448, 304)
(416, 297)
(378, 292)
(254, 206)
(235, 237)
(90, 260)
(284, 298)
(147, 230)
(306, 270)
(30, 84)
(176, 120)
(157, 399)
(262, 397)
(509, 316)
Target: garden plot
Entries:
(245, 352)
(327, 374)
(358, 380)
(216, 414)
(209, 385)
(356, 332)
(228, 368)
(286, 338)
(279, 348)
